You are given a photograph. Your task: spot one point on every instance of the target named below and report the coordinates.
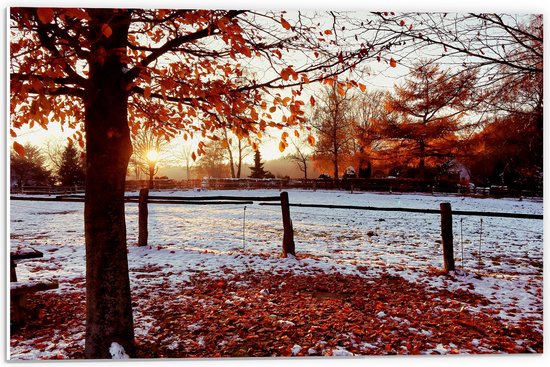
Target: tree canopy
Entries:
(183, 69)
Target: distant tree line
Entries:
(63, 167)
(486, 113)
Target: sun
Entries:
(152, 155)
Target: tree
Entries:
(71, 170)
(108, 68)
(505, 50)
(257, 170)
(300, 156)
(184, 154)
(368, 110)
(236, 152)
(495, 46)
(502, 153)
(29, 169)
(426, 112)
(213, 162)
(333, 123)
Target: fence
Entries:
(445, 212)
(349, 184)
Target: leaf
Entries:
(285, 74)
(393, 63)
(282, 146)
(402, 23)
(254, 114)
(19, 149)
(106, 30)
(312, 101)
(273, 109)
(286, 25)
(147, 92)
(311, 140)
(13, 133)
(328, 32)
(77, 13)
(193, 156)
(45, 15)
(363, 87)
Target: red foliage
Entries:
(265, 314)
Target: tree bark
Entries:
(108, 150)
(447, 236)
(288, 231)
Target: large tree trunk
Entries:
(108, 150)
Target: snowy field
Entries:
(498, 258)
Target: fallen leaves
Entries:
(261, 314)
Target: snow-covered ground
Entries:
(499, 258)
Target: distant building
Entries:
(350, 172)
(455, 172)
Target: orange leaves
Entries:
(254, 115)
(76, 13)
(328, 32)
(161, 13)
(106, 30)
(286, 25)
(45, 15)
(289, 72)
(393, 63)
(19, 149)
(311, 140)
(312, 101)
(147, 92)
(341, 90)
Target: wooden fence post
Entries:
(143, 214)
(288, 231)
(447, 236)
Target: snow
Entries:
(498, 258)
(117, 351)
(296, 349)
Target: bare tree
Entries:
(368, 109)
(236, 150)
(213, 162)
(333, 122)
(301, 157)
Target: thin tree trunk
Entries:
(422, 163)
(108, 150)
(240, 161)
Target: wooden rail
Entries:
(417, 210)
